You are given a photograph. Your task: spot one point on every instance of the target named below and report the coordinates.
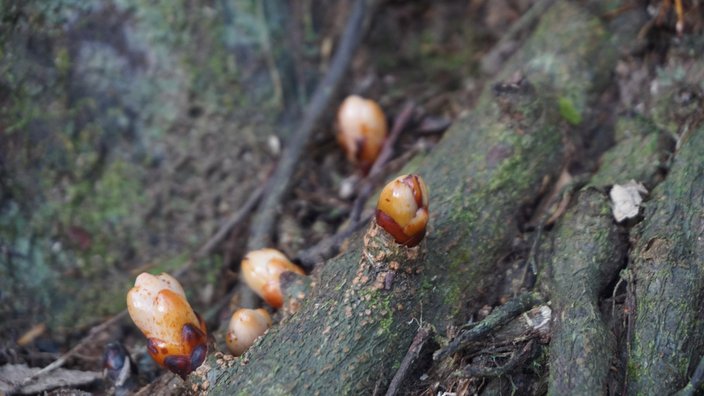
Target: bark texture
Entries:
(589, 251)
(351, 332)
(642, 154)
(668, 277)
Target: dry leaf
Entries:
(12, 374)
(626, 199)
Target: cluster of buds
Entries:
(177, 336)
(261, 270)
(402, 209)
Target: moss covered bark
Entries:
(492, 162)
(668, 273)
(642, 153)
(122, 125)
(589, 251)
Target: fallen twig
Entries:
(328, 247)
(400, 124)
(516, 359)
(507, 45)
(231, 222)
(263, 222)
(562, 197)
(63, 358)
(497, 318)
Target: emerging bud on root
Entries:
(177, 337)
(402, 209)
(262, 269)
(362, 130)
(246, 325)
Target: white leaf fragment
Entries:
(626, 199)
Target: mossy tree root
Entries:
(668, 277)
(589, 251)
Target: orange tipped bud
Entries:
(176, 335)
(246, 325)
(361, 130)
(402, 209)
(262, 269)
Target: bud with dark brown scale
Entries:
(176, 335)
(402, 209)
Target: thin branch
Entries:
(516, 359)
(265, 41)
(264, 221)
(328, 247)
(562, 198)
(402, 121)
(496, 319)
(507, 45)
(233, 221)
(71, 352)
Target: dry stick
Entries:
(234, 220)
(265, 41)
(418, 341)
(328, 247)
(531, 262)
(402, 120)
(497, 318)
(263, 222)
(517, 359)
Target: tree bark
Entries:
(668, 277)
(352, 330)
(590, 249)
